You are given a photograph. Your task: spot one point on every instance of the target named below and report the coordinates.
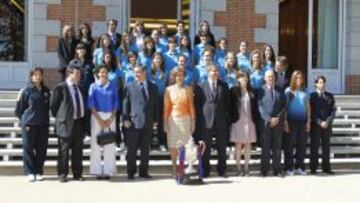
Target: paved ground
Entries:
(343, 187)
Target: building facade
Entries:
(332, 49)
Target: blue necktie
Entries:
(143, 91)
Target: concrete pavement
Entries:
(342, 187)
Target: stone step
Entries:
(9, 94)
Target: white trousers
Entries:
(108, 152)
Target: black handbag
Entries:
(104, 138)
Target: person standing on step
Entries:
(140, 116)
(322, 116)
(32, 109)
(67, 105)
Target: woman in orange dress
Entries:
(179, 113)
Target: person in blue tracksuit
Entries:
(163, 37)
(185, 49)
(297, 124)
(171, 56)
(221, 52)
(243, 58)
(268, 57)
(199, 49)
(32, 109)
(230, 69)
(200, 71)
(145, 56)
(159, 47)
(159, 77)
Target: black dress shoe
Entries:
(263, 174)
(131, 177)
(145, 176)
(329, 172)
(223, 175)
(78, 178)
(313, 172)
(63, 180)
(279, 174)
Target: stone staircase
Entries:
(345, 142)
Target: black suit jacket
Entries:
(235, 99)
(286, 83)
(61, 106)
(213, 110)
(271, 108)
(322, 109)
(66, 53)
(141, 113)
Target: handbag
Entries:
(104, 138)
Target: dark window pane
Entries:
(12, 30)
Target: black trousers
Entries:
(138, 138)
(220, 135)
(296, 138)
(271, 144)
(75, 144)
(35, 144)
(317, 134)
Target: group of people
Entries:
(131, 84)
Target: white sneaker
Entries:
(162, 148)
(31, 178)
(300, 172)
(289, 173)
(39, 177)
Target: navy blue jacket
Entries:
(32, 107)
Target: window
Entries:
(325, 34)
(12, 30)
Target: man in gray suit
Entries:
(213, 107)
(271, 104)
(140, 115)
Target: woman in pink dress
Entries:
(242, 131)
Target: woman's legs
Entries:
(238, 148)
(174, 155)
(247, 155)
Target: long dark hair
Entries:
(188, 47)
(241, 74)
(272, 59)
(89, 35)
(162, 65)
(148, 52)
(33, 71)
(112, 62)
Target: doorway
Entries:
(322, 51)
(156, 12)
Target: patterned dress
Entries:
(243, 130)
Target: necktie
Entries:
(143, 91)
(77, 101)
(214, 90)
(271, 93)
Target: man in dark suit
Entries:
(114, 36)
(323, 113)
(282, 73)
(213, 107)
(68, 107)
(140, 115)
(271, 104)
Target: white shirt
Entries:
(211, 84)
(72, 92)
